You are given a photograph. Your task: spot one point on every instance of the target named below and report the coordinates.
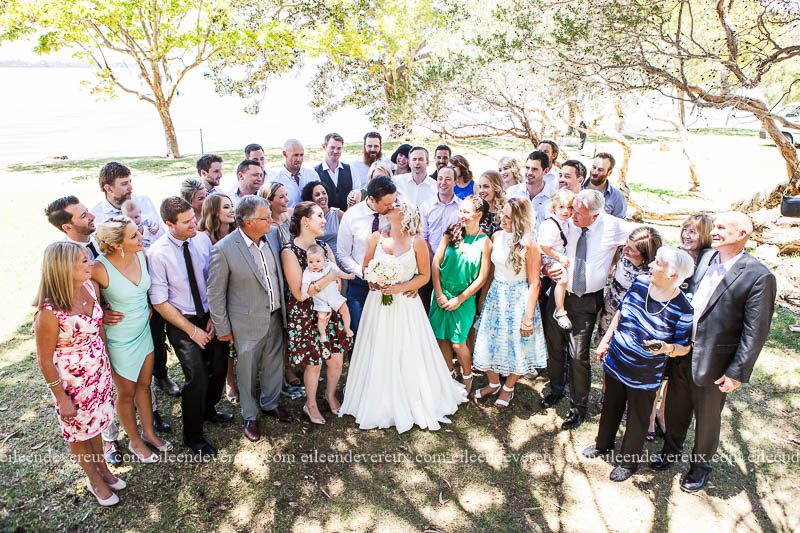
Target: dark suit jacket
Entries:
(341, 189)
(734, 325)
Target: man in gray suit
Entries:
(733, 295)
(245, 297)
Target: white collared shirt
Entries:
(413, 193)
(711, 279)
(551, 178)
(605, 235)
(359, 170)
(259, 252)
(355, 230)
(293, 189)
(103, 210)
(92, 241)
(334, 173)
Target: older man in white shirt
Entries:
(592, 241)
(292, 174)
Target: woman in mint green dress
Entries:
(460, 267)
(124, 281)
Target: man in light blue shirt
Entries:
(602, 168)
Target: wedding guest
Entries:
(209, 169)
(400, 159)
(178, 270)
(534, 187)
(551, 173)
(305, 346)
(73, 361)
(465, 185)
(336, 175)
(356, 226)
(653, 323)
(131, 210)
(603, 166)
(553, 242)
(510, 172)
(116, 184)
(124, 281)
(219, 219)
(733, 301)
(378, 168)
(441, 156)
(245, 298)
(316, 192)
(490, 188)
(255, 152)
(292, 174)
(69, 216)
(460, 267)
(592, 242)
(572, 176)
(510, 341)
(415, 187)
(194, 192)
(275, 194)
(372, 151)
(249, 178)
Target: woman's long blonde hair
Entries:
(496, 183)
(521, 231)
(412, 222)
(56, 286)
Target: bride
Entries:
(397, 374)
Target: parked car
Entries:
(790, 112)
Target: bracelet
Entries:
(527, 324)
(193, 332)
(54, 383)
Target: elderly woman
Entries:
(510, 172)
(654, 322)
(124, 281)
(275, 194)
(194, 192)
(465, 185)
(73, 360)
(490, 188)
(305, 347)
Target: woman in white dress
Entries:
(397, 374)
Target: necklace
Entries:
(647, 300)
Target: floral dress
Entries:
(84, 368)
(624, 275)
(304, 344)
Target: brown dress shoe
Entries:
(280, 413)
(251, 430)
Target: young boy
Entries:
(553, 242)
(329, 298)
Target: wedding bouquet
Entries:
(383, 271)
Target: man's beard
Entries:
(119, 200)
(369, 158)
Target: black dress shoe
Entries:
(202, 448)
(573, 420)
(662, 461)
(593, 451)
(280, 413)
(251, 430)
(168, 386)
(219, 418)
(159, 425)
(621, 473)
(695, 480)
(550, 400)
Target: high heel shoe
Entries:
(166, 447)
(496, 390)
(334, 411)
(152, 458)
(119, 484)
(465, 377)
(504, 403)
(108, 502)
(313, 420)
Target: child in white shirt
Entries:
(553, 242)
(329, 298)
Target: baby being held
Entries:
(150, 230)
(329, 297)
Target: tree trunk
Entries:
(619, 138)
(169, 130)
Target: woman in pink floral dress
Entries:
(74, 362)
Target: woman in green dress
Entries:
(460, 267)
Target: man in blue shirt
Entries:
(598, 180)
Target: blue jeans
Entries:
(357, 291)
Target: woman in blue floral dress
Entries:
(510, 341)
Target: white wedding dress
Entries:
(398, 376)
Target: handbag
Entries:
(790, 206)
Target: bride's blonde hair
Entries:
(412, 222)
(521, 230)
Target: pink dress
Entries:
(85, 371)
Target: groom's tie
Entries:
(375, 224)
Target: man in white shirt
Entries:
(592, 241)
(355, 229)
(293, 175)
(249, 178)
(441, 156)
(117, 186)
(254, 152)
(551, 172)
(336, 175)
(72, 218)
(571, 176)
(416, 186)
(534, 187)
(209, 168)
(372, 151)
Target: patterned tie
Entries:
(375, 224)
(296, 178)
(579, 274)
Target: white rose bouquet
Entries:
(383, 271)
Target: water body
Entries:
(48, 111)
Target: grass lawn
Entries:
(488, 470)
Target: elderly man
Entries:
(598, 180)
(733, 300)
(245, 297)
(592, 242)
(293, 175)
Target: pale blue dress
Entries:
(499, 344)
(129, 341)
